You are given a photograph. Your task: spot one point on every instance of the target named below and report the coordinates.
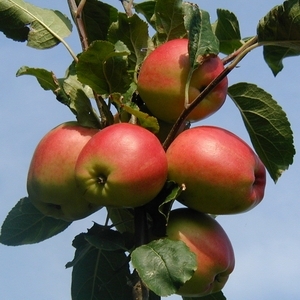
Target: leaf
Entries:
(147, 9)
(267, 125)
(227, 30)
(69, 91)
(97, 18)
(172, 264)
(25, 224)
(169, 22)
(104, 238)
(214, 296)
(98, 274)
(133, 32)
(41, 28)
(122, 219)
(104, 67)
(279, 31)
(202, 40)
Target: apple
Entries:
(162, 79)
(207, 239)
(220, 171)
(51, 181)
(123, 165)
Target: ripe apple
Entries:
(123, 165)
(222, 174)
(208, 240)
(51, 181)
(162, 79)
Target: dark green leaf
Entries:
(172, 264)
(215, 296)
(267, 125)
(98, 274)
(122, 219)
(26, 225)
(41, 28)
(102, 237)
(133, 32)
(227, 30)
(279, 31)
(202, 40)
(169, 22)
(97, 18)
(104, 67)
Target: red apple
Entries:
(222, 174)
(124, 165)
(208, 240)
(162, 79)
(51, 181)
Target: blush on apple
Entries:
(222, 174)
(163, 76)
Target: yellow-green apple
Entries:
(123, 165)
(51, 181)
(163, 76)
(207, 239)
(221, 173)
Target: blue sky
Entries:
(266, 239)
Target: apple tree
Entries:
(144, 80)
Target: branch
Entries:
(128, 5)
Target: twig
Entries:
(128, 5)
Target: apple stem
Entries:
(236, 58)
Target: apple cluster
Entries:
(75, 170)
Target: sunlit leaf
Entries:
(25, 224)
(227, 30)
(267, 125)
(104, 68)
(133, 32)
(169, 22)
(279, 31)
(41, 28)
(172, 264)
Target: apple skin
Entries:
(207, 239)
(51, 181)
(124, 165)
(222, 174)
(162, 79)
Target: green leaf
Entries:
(202, 40)
(279, 31)
(69, 91)
(122, 219)
(133, 32)
(267, 125)
(227, 30)
(215, 296)
(147, 9)
(169, 22)
(26, 225)
(97, 18)
(98, 274)
(104, 67)
(172, 264)
(102, 237)
(41, 28)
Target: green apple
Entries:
(51, 181)
(207, 239)
(163, 76)
(123, 165)
(220, 171)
